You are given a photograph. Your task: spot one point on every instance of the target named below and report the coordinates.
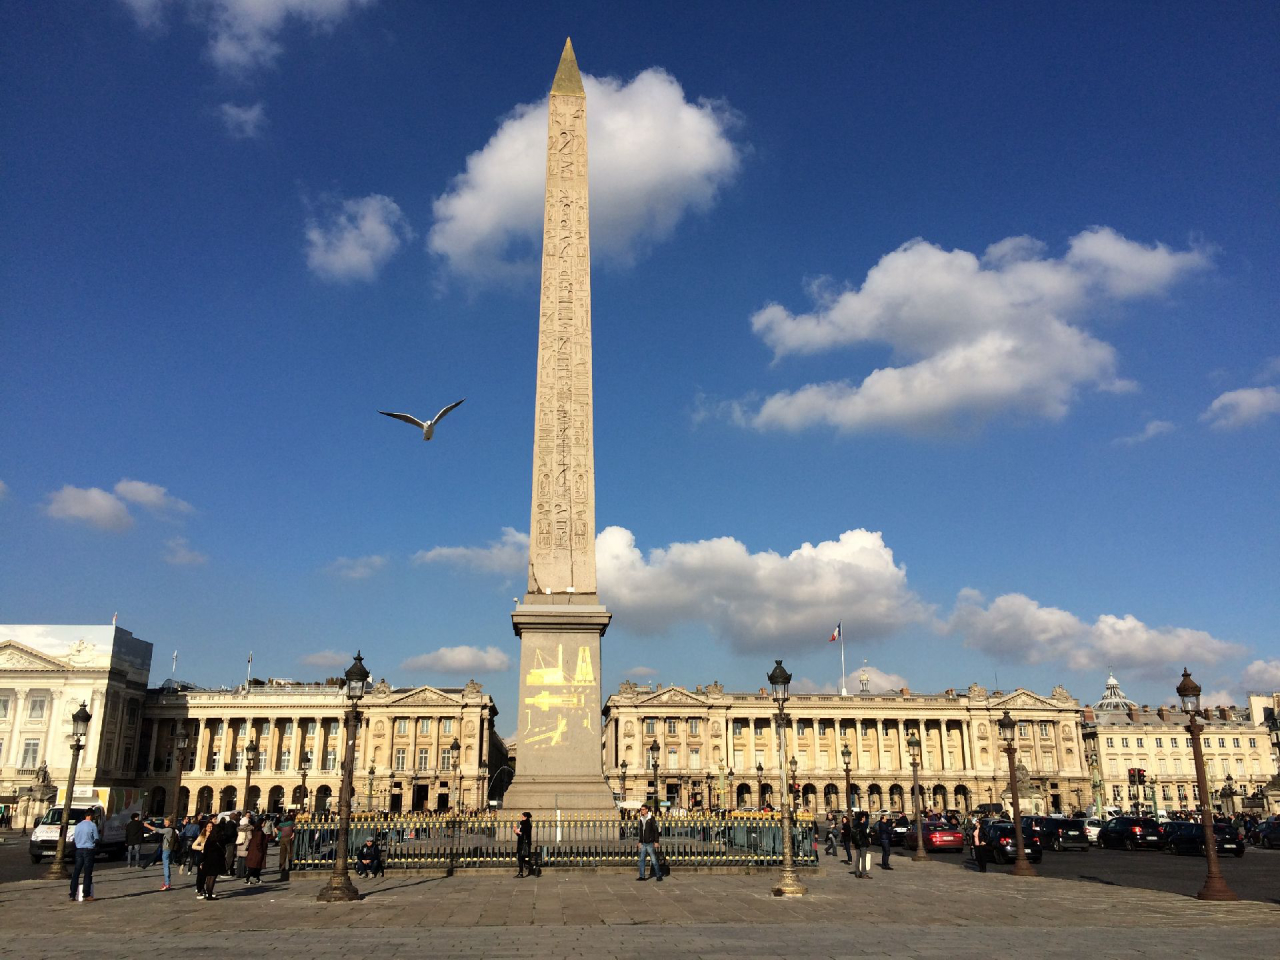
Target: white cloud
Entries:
(152, 496)
(357, 568)
(463, 659)
(1240, 408)
(327, 659)
(244, 123)
(355, 238)
(1220, 698)
(877, 682)
(654, 157)
(1263, 676)
(1154, 428)
(510, 554)
(758, 601)
(180, 553)
(93, 506)
(974, 336)
(1015, 628)
(1270, 369)
(243, 33)
(641, 673)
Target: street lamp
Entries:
(180, 751)
(730, 800)
(623, 767)
(79, 730)
(250, 756)
(304, 764)
(1215, 888)
(760, 786)
(368, 796)
(846, 754)
(789, 885)
(1008, 730)
(793, 790)
(913, 744)
(653, 765)
(26, 818)
(340, 887)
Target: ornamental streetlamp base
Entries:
(1023, 868)
(339, 890)
(58, 870)
(920, 856)
(1215, 888)
(789, 887)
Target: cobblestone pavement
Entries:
(917, 910)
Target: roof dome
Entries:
(1114, 698)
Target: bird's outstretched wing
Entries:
(439, 416)
(405, 417)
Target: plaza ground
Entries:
(917, 910)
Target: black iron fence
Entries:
(423, 843)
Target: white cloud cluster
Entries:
(244, 123)
(108, 511)
(326, 659)
(758, 601)
(1015, 628)
(1242, 408)
(1263, 676)
(1153, 429)
(654, 156)
(243, 33)
(975, 336)
(357, 568)
(180, 553)
(354, 238)
(878, 681)
(462, 659)
(641, 673)
(510, 554)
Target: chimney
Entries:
(1133, 714)
(1089, 716)
(1224, 713)
(1163, 713)
(905, 691)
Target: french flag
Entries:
(835, 634)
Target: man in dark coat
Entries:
(133, 840)
(228, 833)
(524, 845)
(884, 833)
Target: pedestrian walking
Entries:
(647, 843)
(85, 837)
(214, 863)
(524, 845)
(980, 846)
(884, 833)
(286, 830)
(255, 856)
(186, 857)
(229, 831)
(133, 840)
(846, 837)
(165, 848)
(862, 845)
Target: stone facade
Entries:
(46, 671)
(711, 743)
(403, 759)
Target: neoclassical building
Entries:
(195, 741)
(1121, 735)
(46, 671)
(720, 749)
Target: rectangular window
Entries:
(1162, 768)
(131, 714)
(1173, 741)
(1159, 743)
(1164, 792)
(1024, 730)
(402, 726)
(1222, 742)
(446, 725)
(331, 759)
(1140, 741)
(30, 754)
(1208, 765)
(1177, 764)
(400, 758)
(128, 757)
(1239, 767)
(1111, 742)
(695, 727)
(1044, 730)
(1114, 768)
(651, 726)
(737, 728)
(333, 728)
(801, 728)
(237, 759)
(822, 728)
(215, 761)
(4, 707)
(35, 710)
(1116, 795)
(424, 726)
(1124, 742)
(1253, 742)
(288, 728)
(424, 758)
(446, 759)
(695, 758)
(1208, 742)
(286, 758)
(1257, 765)
(673, 758)
(759, 758)
(671, 728)
(739, 761)
(311, 728)
(1235, 743)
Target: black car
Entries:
(999, 841)
(901, 827)
(1131, 833)
(1267, 834)
(1189, 841)
(1062, 834)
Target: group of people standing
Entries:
(857, 835)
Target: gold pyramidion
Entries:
(568, 81)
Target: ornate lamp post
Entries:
(653, 765)
(1215, 888)
(846, 754)
(250, 757)
(793, 787)
(180, 752)
(26, 818)
(913, 744)
(623, 767)
(760, 786)
(304, 764)
(728, 800)
(789, 885)
(1008, 731)
(79, 729)
(368, 794)
(340, 887)
(455, 752)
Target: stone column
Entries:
(54, 727)
(15, 728)
(151, 749)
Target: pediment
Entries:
(17, 656)
(425, 697)
(674, 696)
(1023, 700)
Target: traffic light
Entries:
(1142, 777)
(1133, 776)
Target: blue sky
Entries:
(954, 323)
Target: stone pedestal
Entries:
(558, 758)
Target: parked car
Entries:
(1190, 840)
(998, 839)
(1093, 826)
(1061, 834)
(901, 827)
(1267, 834)
(938, 835)
(1131, 833)
(1034, 825)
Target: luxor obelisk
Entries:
(561, 621)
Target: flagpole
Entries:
(844, 690)
(248, 673)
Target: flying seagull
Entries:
(428, 428)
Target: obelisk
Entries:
(561, 621)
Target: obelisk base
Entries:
(558, 756)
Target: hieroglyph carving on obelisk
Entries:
(562, 526)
